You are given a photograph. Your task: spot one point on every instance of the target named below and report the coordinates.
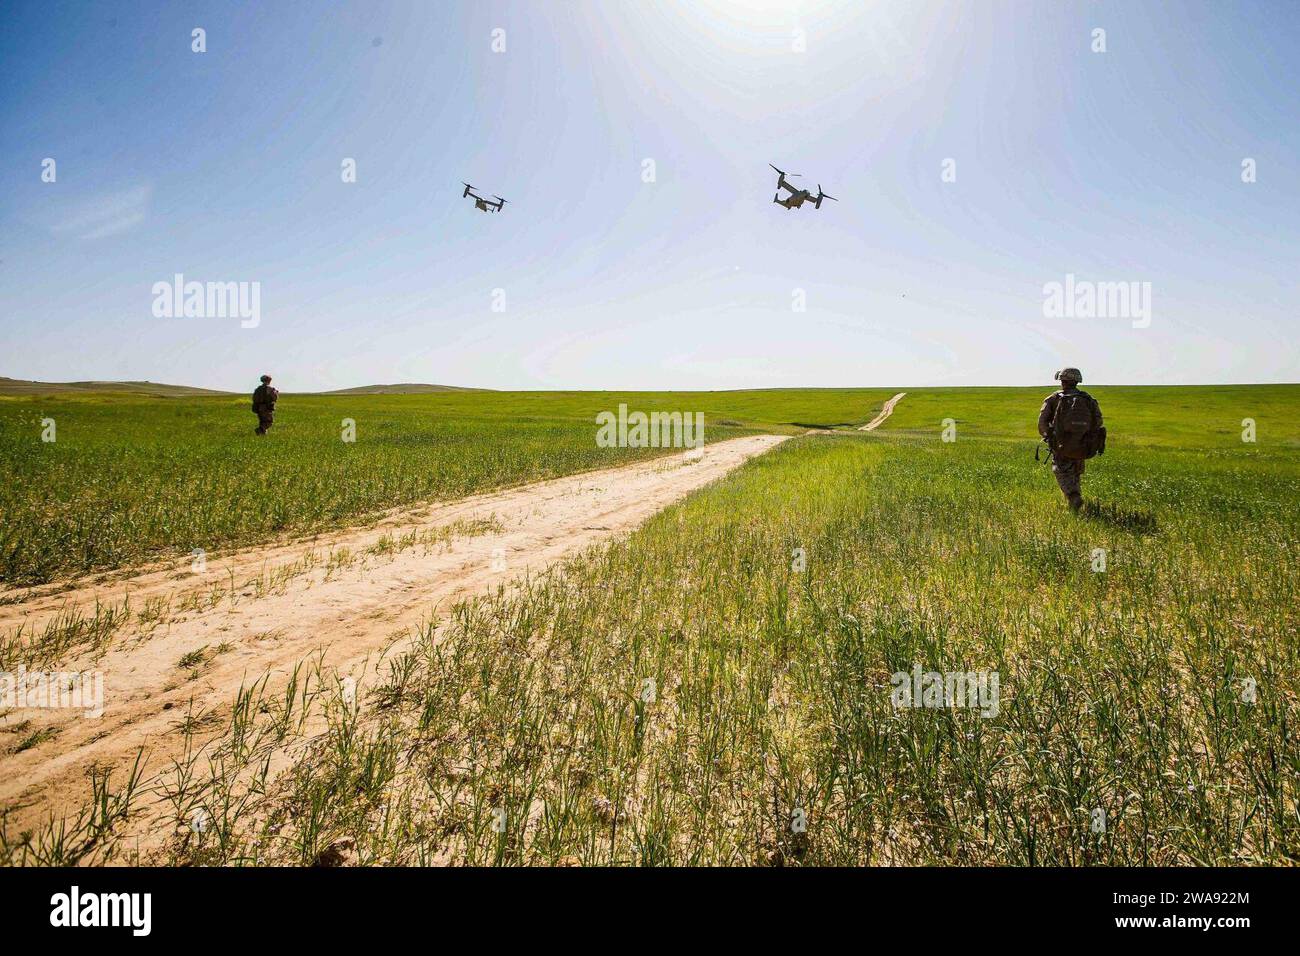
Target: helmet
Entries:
(267, 378)
(1069, 375)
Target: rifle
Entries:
(1037, 448)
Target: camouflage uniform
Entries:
(1068, 471)
(1069, 475)
(264, 406)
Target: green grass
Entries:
(1121, 691)
(523, 731)
(1198, 419)
(129, 479)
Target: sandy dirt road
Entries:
(885, 411)
(349, 602)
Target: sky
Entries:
(978, 152)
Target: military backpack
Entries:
(1074, 430)
(263, 398)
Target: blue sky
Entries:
(225, 166)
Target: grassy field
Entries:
(130, 478)
(697, 694)
(1194, 419)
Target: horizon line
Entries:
(88, 385)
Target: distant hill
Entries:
(404, 388)
(16, 386)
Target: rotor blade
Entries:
(495, 196)
(779, 171)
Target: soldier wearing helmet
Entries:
(264, 398)
(1070, 422)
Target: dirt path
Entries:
(885, 411)
(347, 600)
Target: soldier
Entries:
(1070, 422)
(264, 397)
